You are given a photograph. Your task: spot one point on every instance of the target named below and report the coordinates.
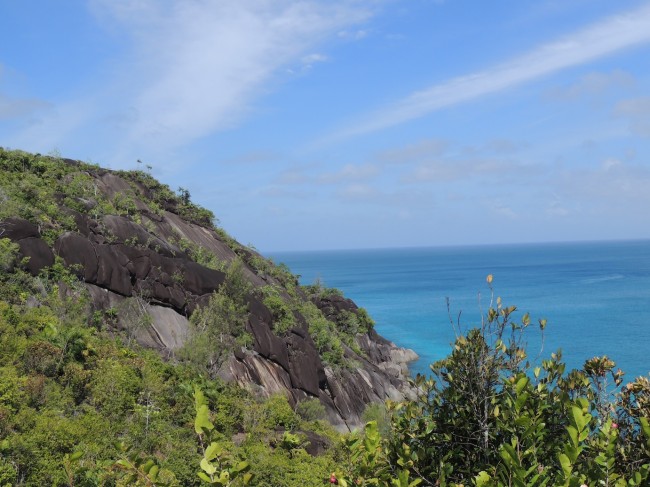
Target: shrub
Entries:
(488, 417)
(283, 318)
(8, 254)
(311, 410)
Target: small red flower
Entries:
(614, 425)
(333, 479)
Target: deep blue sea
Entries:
(595, 296)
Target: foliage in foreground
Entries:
(486, 417)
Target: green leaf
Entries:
(213, 451)
(208, 467)
(483, 479)
(372, 436)
(645, 426)
(573, 434)
(199, 398)
(153, 472)
(204, 477)
(511, 452)
(76, 455)
(202, 421)
(521, 384)
(147, 466)
(565, 463)
(580, 419)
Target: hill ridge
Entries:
(158, 269)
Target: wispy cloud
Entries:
(18, 108)
(350, 172)
(424, 149)
(448, 169)
(637, 111)
(307, 63)
(210, 59)
(615, 33)
(592, 84)
(354, 35)
(194, 68)
(613, 184)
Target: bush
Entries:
(311, 410)
(283, 318)
(8, 254)
(488, 417)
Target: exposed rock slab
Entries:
(146, 263)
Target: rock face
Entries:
(149, 258)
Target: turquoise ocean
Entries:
(595, 296)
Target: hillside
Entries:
(159, 271)
(142, 346)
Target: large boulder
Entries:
(31, 246)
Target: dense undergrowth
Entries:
(80, 407)
(83, 405)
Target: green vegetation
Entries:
(48, 190)
(219, 328)
(199, 254)
(488, 417)
(30, 186)
(283, 318)
(81, 404)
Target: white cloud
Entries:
(210, 59)
(349, 173)
(466, 169)
(194, 67)
(18, 108)
(593, 84)
(555, 210)
(314, 58)
(424, 149)
(612, 34)
(637, 106)
(293, 175)
(611, 163)
(354, 35)
(502, 210)
(637, 111)
(308, 62)
(359, 192)
(283, 193)
(611, 185)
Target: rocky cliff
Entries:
(149, 258)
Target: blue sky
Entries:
(350, 123)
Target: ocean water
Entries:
(595, 296)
